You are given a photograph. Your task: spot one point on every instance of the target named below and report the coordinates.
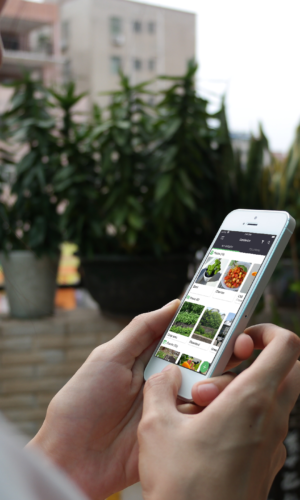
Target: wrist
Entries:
(168, 489)
(47, 441)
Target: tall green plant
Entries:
(33, 219)
(250, 186)
(77, 182)
(189, 166)
(127, 182)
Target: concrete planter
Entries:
(30, 283)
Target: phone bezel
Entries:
(268, 222)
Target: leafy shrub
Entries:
(212, 319)
(186, 318)
(200, 330)
(209, 335)
(190, 307)
(214, 268)
(182, 331)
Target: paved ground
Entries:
(37, 357)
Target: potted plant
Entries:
(141, 212)
(212, 270)
(30, 234)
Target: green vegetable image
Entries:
(233, 263)
(214, 268)
(187, 318)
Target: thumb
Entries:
(144, 330)
(160, 392)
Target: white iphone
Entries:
(222, 295)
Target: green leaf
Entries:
(26, 162)
(135, 221)
(163, 186)
(131, 236)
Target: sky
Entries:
(249, 50)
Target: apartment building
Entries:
(30, 34)
(98, 37)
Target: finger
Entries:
(278, 461)
(189, 409)
(146, 355)
(161, 390)
(143, 330)
(243, 349)
(203, 393)
(281, 349)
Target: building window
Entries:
(137, 26)
(115, 64)
(151, 64)
(65, 35)
(151, 27)
(137, 64)
(115, 26)
(11, 41)
(67, 71)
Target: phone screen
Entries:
(205, 317)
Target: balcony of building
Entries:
(30, 37)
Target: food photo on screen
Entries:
(234, 275)
(189, 362)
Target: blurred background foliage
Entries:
(152, 174)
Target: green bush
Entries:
(187, 318)
(32, 222)
(182, 331)
(190, 307)
(200, 330)
(133, 178)
(212, 319)
(209, 335)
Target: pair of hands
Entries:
(91, 425)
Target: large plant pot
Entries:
(30, 283)
(127, 285)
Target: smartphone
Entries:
(222, 295)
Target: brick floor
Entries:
(37, 357)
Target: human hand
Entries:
(90, 428)
(234, 447)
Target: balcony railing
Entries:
(14, 43)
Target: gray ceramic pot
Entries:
(30, 283)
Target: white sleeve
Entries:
(28, 474)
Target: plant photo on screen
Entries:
(208, 325)
(186, 318)
(167, 354)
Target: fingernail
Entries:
(207, 393)
(169, 367)
(170, 303)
